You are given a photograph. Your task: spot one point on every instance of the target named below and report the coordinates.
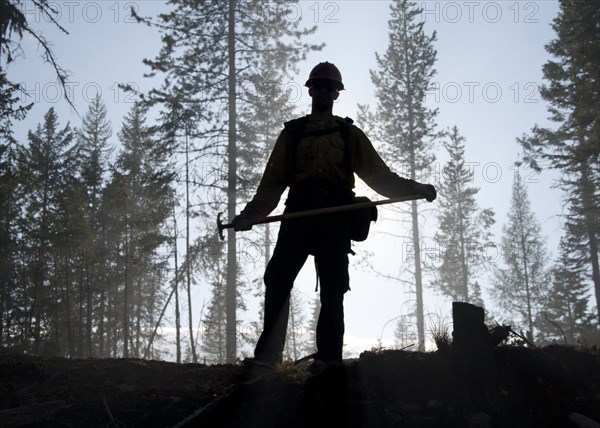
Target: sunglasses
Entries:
(329, 87)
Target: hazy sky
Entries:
(489, 63)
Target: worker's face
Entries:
(323, 93)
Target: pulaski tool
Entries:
(319, 211)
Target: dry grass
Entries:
(288, 369)
(440, 332)
(378, 348)
(284, 367)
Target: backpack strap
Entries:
(294, 128)
(345, 133)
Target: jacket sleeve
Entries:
(272, 183)
(369, 166)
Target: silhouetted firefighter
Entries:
(316, 156)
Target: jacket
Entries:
(322, 157)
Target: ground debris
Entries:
(556, 386)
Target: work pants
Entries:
(325, 237)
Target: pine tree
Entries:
(208, 253)
(210, 50)
(464, 229)
(521, 287)
(214, 326)
(94, 152)
(567, 317)
(11, 200)
(9, 109)
(573, 77)
(140, 194)
(214, 322)
(402, 121)
(267, 106)
(46, 172)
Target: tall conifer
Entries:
(464, 228)
(402, 121)
(521, 286)
(572, 147)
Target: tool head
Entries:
(220, 227)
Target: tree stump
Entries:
(474, 357)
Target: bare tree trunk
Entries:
(415, 224)
(138, 316)
(34, 316)
(69, 324)
(463, 256)
(176, 288)
(416, 242)
(5, 272)
(101, 321)
(527, 290)
(89, 308)
(126, 300)
(3, 287)
(418, 278)
(80, 326)
(231, 292)
(187, 249)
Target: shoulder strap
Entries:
(295, 129)
(345, 133)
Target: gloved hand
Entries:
(426, 190)
(244, 221)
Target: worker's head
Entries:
(324, 85)
(325, 71)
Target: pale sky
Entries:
(489, 63)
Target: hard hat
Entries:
(325, 71)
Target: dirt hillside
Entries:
(551, 387)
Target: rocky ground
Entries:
(550, 387)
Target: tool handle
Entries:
(319, 211)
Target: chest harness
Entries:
(296, 129)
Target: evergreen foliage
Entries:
(45, 180)
(572, 148)
(13, 26)
(521, 287)
(141, 190)
(464, 229)
(402, 121)
(567, 318)
(214, 56)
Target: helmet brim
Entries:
(340, 85)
